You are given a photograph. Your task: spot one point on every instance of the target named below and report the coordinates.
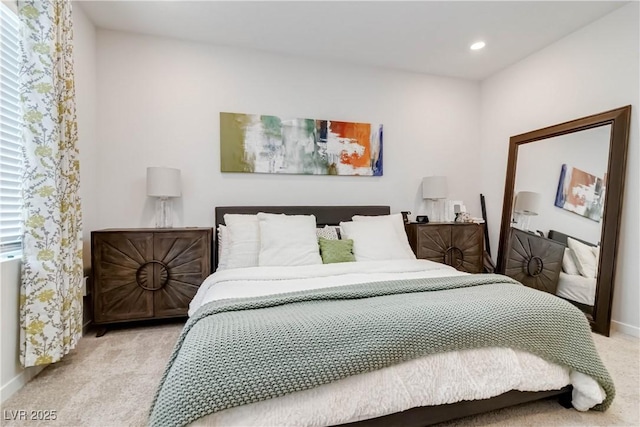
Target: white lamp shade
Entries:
(163, 182)
(527, 203)
(434, 187)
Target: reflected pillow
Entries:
(333, 251)
(584, 257)
(569, 263)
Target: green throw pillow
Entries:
(336, 250)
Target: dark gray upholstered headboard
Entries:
(325, 215)
(562, 238)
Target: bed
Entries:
(390, 379)
(575, 288)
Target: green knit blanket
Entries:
(238, 351)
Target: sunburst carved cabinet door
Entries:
(459, 245)
(184, 263)
(147, 273)
(535, 261)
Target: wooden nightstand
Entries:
(458, 244)
(533, 260)
(149, 273)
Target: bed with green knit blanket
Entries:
(237, 351)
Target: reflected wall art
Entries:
(255, 143)
(581, 193)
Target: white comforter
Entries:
(258, 281)
(431, 380)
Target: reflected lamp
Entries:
(527, 205)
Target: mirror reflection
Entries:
(570, 180)
(560, 187)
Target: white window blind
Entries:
(10, 133)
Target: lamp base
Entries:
(437, 213)
(164, 213)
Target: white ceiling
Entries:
(430, 37)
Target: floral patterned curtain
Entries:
(51, 292)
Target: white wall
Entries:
(538, 170)
(12, 375)
(160, 99)
(86, 93)
(590, 71)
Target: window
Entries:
(10, 133)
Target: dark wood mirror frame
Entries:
(619, 120)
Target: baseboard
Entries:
(17, 382)
(625, 328)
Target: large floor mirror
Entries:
(562, 209)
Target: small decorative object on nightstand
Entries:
(141, 274)
(460, 245)
(534, 261)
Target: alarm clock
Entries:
(422, 219)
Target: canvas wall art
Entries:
(581, 193)
(255, 143)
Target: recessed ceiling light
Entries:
(477, 46)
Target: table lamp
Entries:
(434, 188)
(163, 183)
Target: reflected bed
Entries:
(575, 288)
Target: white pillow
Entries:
(398, 224)
(569, 263)
(288, 240)
(223, 247)
(244, 239)
(374, 240)
(585, 259)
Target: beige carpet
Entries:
(110, 381)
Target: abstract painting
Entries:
(581, 193)
(268, 144)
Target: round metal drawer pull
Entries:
(164, 274)
(449, 253)
(537, 268)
